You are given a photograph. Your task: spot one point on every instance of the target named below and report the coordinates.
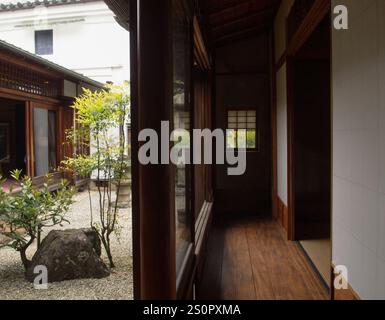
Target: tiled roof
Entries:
(20, 5)
(121, 10)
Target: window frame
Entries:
(31, 133)
(37, 47)
(256, 129)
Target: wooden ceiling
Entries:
(232, 20)
(226, 21)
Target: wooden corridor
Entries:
(249, 258)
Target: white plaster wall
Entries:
(86, 38)
(358, 102)
(280, 47)
(282, 135)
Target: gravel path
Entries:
(118, 286)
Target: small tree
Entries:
(30, 210)
(97, 115)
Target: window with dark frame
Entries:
(44, 42)
(242, 130)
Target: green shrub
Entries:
(30, 210)
(97, 113)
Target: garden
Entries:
(69, 243)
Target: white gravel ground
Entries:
(118, 286)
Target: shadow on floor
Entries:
(249, 258)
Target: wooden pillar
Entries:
(153, 186)
(29, 140)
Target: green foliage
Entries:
(241, 138)
(97, 115)
(27, 212)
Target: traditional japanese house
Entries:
(35, 100)
(304, 79)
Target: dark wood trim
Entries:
(60, 134)
(135, 149)
(24, 96)
(202, 227)
(274, 134)
(290, 149)
(242, 10)
(282, 214)
(224, 5)
(44, 105)
(184, 280)
(319, 10)
(281, 61)
(185, 274)
(200, 51)
(316, 14)
(29, 139)
(261, 70)
(240, 35)
(58, 130)
(153, 195)
(251, 19)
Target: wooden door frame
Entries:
(319, 11)
(30, 138)
(153, 198)
(134, 83)
(185, 275)
(290, 149)
(153, 202)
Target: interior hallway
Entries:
(249, 258)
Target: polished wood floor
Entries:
(250, 259)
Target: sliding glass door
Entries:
(44, 140)
(181, 111)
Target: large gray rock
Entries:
(68, 255)
(3, 240)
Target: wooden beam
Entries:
(239, 11)
(240, 35)
(135, 198)
(25, 96)
(261, 17)
(199, 47)
(219, 5)
(308, 25)
(316, 14)
(153, 194)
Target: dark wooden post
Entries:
(153, 191)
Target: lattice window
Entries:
(27, 80)
(242, 129)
